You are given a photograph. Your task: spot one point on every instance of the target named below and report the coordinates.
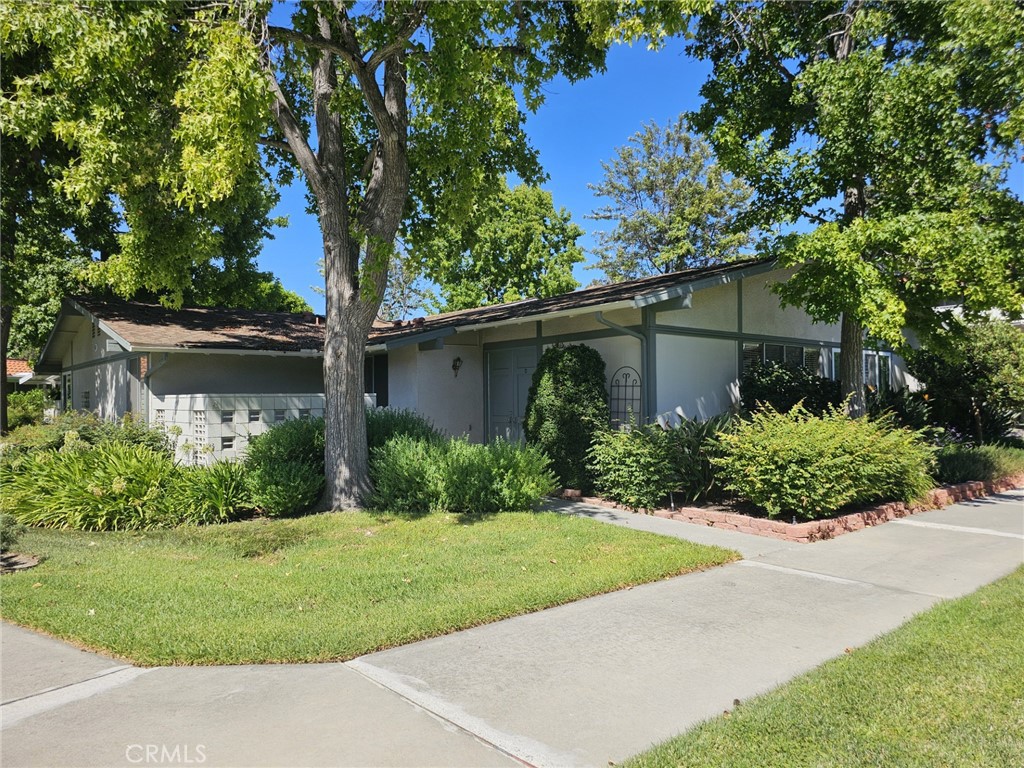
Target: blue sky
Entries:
(578, 126)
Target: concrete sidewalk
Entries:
(582, 684)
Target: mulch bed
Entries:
(12, 561)
(743, 518)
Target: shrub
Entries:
(962, 463)
(90, 430)
(974, 376)
(566, 406)
(782, 386)
(908, 409)
(284, 467)
(297, 440)
(27, 407)
(382, 424)
(11, 532)
(416, 476)
(284, 488)
(633, 466)
(407, 475)
(110, 487)
(214, 494)
(522, 476)
(692, 444)
(811, 465)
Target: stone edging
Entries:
(819, 530)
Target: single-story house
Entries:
(674, 341)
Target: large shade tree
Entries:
(672, 204)
(514, 245)
(391, 112)
(876, 124)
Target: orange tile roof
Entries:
(17, 367)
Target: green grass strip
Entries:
(946, 689)
(325, 587)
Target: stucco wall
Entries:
(763, 315)
(697, 374)
(712, 308)
(454, 403)
(187, 373)
(402, 367)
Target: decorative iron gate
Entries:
(624, 401)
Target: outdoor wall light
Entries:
(456, 364)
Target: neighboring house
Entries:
(678, 340)
(20, 377)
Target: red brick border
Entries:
(819, 530)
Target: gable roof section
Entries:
(152, 328)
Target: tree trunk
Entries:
(979, 432)
(851, 366)
(6, 318)
(351, 304)
(851, 354)
(346, 458)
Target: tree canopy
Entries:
(881, 124)
(396, 114)
(514, 245)
(673, 205)
(56, 242)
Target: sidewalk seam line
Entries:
(384, 678)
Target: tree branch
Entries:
(412, 23)
(289, 124)
(284, 146)
(283, 34)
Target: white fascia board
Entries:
(683, 290)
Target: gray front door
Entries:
(509, 373)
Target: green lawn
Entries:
(945, 690)
(324, 587)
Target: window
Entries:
(227, 443)
(303, 413)
(86, 404)
(877, 368)
(227, 417)
(375, 377)
(785, 354)
(254, 416)
(278, 414)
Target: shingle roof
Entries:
(150, 326)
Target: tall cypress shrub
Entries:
(566, 406)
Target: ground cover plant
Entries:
(942, 690)
(322, 587)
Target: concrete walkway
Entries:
(582, 684)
